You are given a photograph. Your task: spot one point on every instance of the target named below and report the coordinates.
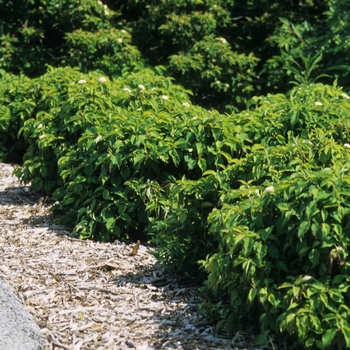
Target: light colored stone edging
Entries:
(18, 329)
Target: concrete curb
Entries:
(18, 329)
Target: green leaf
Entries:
(138, 159)
(304, 227)
(273, 301)
(325, 229)
(263, 338)
(309, 342)
(258, 147)
(43, 171)
(115, 159)
(294, 117)
(106, 195)
(110, 223)
(328, 336)
(175, 156)
(324, 298)
(79, 179)
(316, 323)
(200, 147)
(125, 172)
(346, 332)
(273, 252)
(265, 233)
(290, 318)
(311, 210)
(183, 217)
(182, 144)
(338, 279)
(285, 285)
(202, 164)
(121, 209)
(209, 172)
(314, 256)
(154, 104)
(81, 211)
(252, 294)
(206, 205)
(107, 213)
(281, 265)
(190, 161)
(283, 206)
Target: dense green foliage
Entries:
(220, 130)
(224, 51)
(278, 220)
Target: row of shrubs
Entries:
(254, 204)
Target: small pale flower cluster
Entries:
(165, 97)
(120, 40)
(141, 87)
(269, 189)
(318, 103)
(345, 96)
(40, 126)
(102, 79)
(42, 136)
(82, 81)
(127, 90)
(257, 192)
(186, 104)
(223, 40)
(346, 145)
(123, 31)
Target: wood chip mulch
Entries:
(89, 295)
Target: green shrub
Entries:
(107, 50)
(56, 123)
(75, 112)
(15, 109)
(224, 51)
(227, 51)
(270, 222)
(317, 36)
(117, 167)
(45, 32)
(282, 257)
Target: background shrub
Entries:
(15, 109)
